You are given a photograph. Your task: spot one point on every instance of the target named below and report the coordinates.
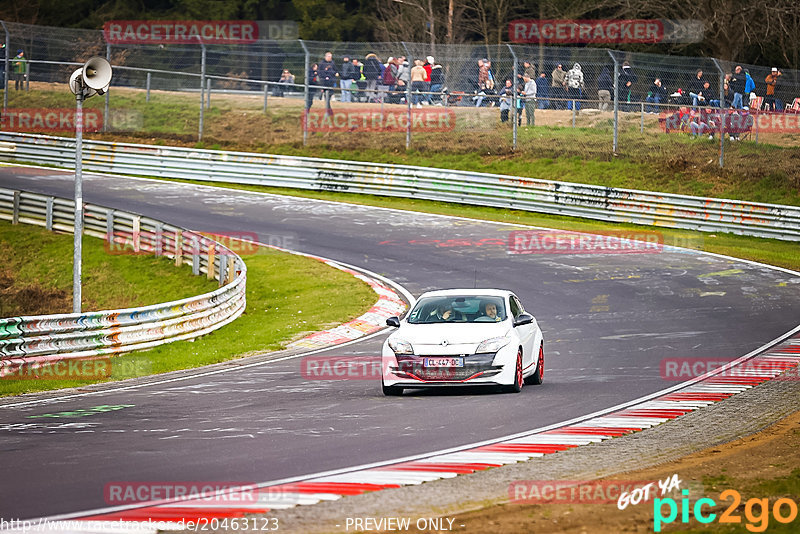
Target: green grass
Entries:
(287, 295)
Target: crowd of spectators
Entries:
(393, 80)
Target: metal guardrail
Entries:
(35, 340)
(530, 194)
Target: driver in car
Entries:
(443, 313)
(490, 311)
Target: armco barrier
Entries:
(531, 194)
(35, 340)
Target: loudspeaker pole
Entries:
(78, 221)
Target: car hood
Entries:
(453, 333)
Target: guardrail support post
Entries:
(195, 255)
(159, 247)
(616, 101)
(222, 271)
(230, 271)
(211, 259)
(110, 226)
(147, 86)
(15, 212)
(178, 248)
(48, 213)
(136, 227)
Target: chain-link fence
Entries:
(589, 102)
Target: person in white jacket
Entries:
(530, 99)
(574, 81)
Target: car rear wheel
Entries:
(391, 391)
(538, 375)
(516, 387)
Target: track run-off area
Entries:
(610, 322)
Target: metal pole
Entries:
(202, 88)
(721, 113)
(208, 93)
(616, 101)
(305, 94)
(78, 216)
(573, 113)
(266, 90)
(147, 97)
(27, 76)
(514, 99)
(410, 59)
(5, 78)
(641, 125)
(105, 106)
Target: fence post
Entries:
(721, 112)
(5, 78)
(305, 94)
(178, 248)
(641, 125)
(159, 245)
(195, 255)
(410, 60)
(266, 90)
(615, 96)
(574, 112)
(27, 76)
(514, 99)
(202, 87)
(211, 258)
(105, 105)
(208, 93)
(147, 97)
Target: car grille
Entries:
(473, 365)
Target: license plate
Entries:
(443, 362)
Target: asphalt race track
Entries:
(609, 320)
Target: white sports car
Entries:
(463, 337)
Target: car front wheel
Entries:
(516, 387)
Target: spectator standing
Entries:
(313, 80)
(328, 75)
(575, 86)
(417, 83)
(656, 95)
(772, 82)
(348, 76)
(528, 69)
(358, 79)
(388, 80)
(285, 82)
(529, 94)
(372, 73)
(428, 66)
(605, 86)
(505, 100)
(749, 87)
(20, 66)
(437, 83)
(542, 91)
(625, 84)
(737, 85)
(557, 85)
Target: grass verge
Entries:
(287, 295)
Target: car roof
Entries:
(467, 293)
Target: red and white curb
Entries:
(761, 365)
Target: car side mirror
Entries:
(523, 318)
(393, 322)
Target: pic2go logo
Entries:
(784, 510)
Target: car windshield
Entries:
(458, 309)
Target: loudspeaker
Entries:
(93, 78)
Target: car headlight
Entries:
(492, 345)
(401, 347)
